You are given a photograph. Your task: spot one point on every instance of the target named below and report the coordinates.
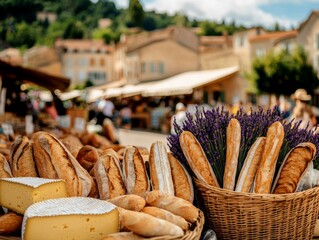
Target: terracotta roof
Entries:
(274, 36)
(83, 44)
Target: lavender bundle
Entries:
(209, 127)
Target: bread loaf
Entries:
(129, 202)
(72, 143)
(5, 170)
(294, 167)
(148, 226)
(166, 215)
(134, 172)
(197, 159)
(266, 169)
(21, 158)
(175, 205)
(87, 157)
(248, 171)
(108, 175)
(183, 185)
(54, 161)
(160, 170)
(233, 136)
(123, 236)
(10, 223)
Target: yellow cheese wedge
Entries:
(79, 218)
(17, 194)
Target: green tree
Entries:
(22, 35)
(74, 30)
(136, 13)
(283, 72)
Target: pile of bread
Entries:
(152, 190)
(258, 172)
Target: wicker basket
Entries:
(234, 215)
(193, 233)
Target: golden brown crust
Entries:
(266, 169)
(5, 170)
(129, 202)
(175, 205)
(160, 170)
(53, 160)
(248, 171)
(293, 168)
(148, 226)
(197, 159)
(72, 143)
(123, 236)
(166, 215)
(233, 136)
(109, 177)
(183, 184)
(21, 158)
(87, 157)
(134, 172)
(10, 223)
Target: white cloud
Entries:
(247, 12)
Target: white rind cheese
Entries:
(17, 194)
(79, 218)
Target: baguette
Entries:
(233, 135)
(87, 157)
(21, 158)
(108, 175)
(266, 169)
(53, 160)
(294, 167)
(134, 172)
(183, 185)
(148, 226)
(160, 170)
(197, 159)
(166, 215)
(129, 202)
(248, 171)
(5, 170)
(123, 236)
(10, 223)
(175, 205)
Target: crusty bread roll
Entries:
(266, 168)
(233, 136)
(148, 226)
(294, 167)
(5, 170)
(123, 236)
(129, 202)
(134, 172)
(109, 177)
(54, 161)
(183, 185)
(160, 170)
(87, 157)
(248, 171)
(10, 223)
(95, 140)
(166, 215)
(21, 158)
(72, 143)
(175, 205)
(197, 159)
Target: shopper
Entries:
(179, 116)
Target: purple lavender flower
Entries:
(209, 127)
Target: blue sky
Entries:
(248, 12)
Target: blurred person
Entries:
(302, 110)
(179, 116)
(126, 116)
(50, 109)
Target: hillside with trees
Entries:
(20, 28)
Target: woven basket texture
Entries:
(234, 215)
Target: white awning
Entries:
(186, 82)
(70, 95)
